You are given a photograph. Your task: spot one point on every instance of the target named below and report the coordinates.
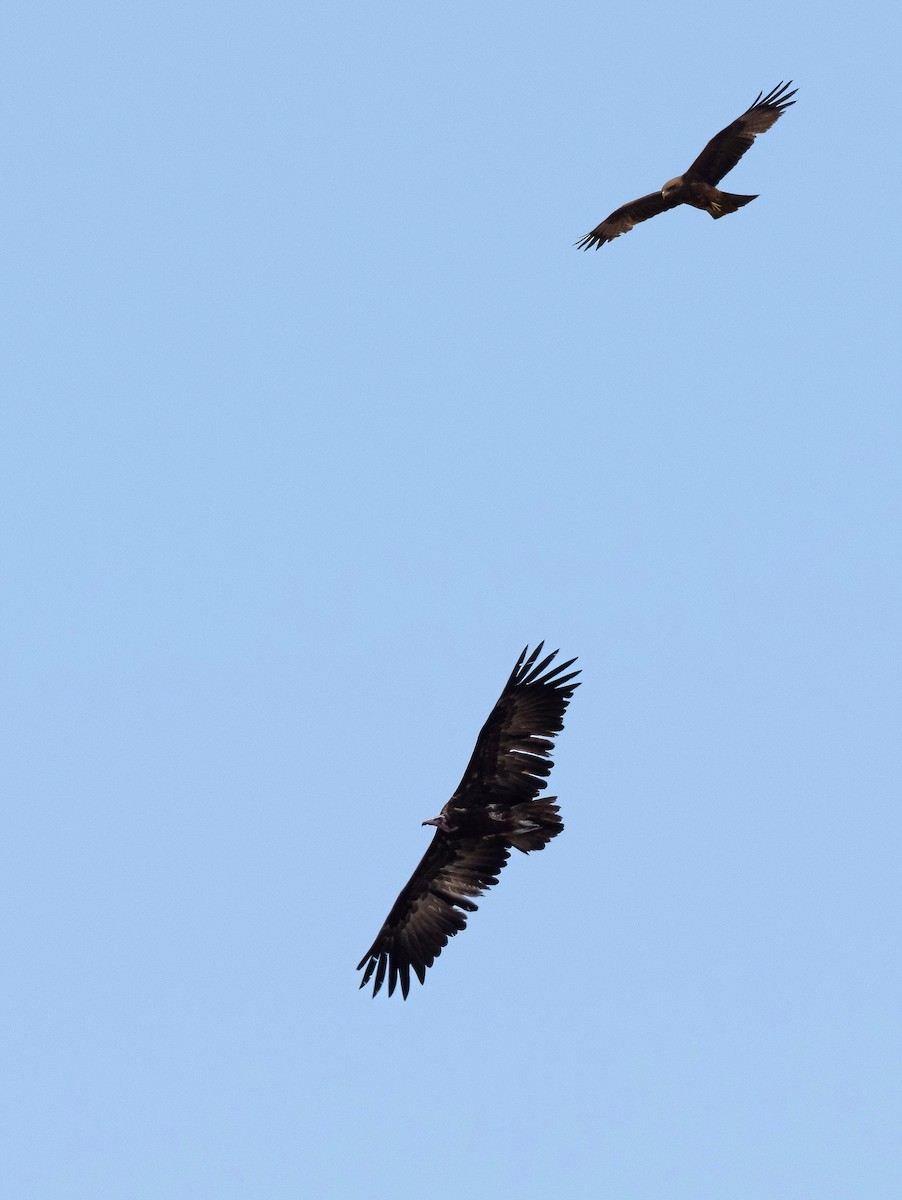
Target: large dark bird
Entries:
(494, 808)
(698, 185)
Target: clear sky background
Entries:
(313, 417)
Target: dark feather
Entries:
(512, 754)
(494, 808)
(726, 148)
(624, 218)
(432, 908)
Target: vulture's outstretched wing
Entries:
(726, 148)
(513, 750)
(624, 218)
(432, 908)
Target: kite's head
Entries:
(671, 186)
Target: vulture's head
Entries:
(440, 822)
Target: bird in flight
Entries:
(495, 807)
(698, 186)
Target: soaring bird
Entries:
(698, 185)
(495, 807)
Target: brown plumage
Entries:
(494, 808)
(698, 185)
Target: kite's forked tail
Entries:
(727, 202)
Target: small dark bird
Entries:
(494, 808)
(698, 185)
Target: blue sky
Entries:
(314, 417)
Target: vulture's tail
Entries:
(728, 202)
(534, 824)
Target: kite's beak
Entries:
(436, 821)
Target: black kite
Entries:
(698, 185)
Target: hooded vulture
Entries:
(496, 807)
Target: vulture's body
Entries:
(495, 808)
